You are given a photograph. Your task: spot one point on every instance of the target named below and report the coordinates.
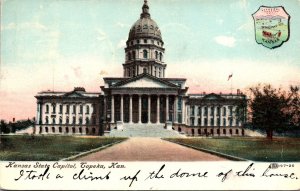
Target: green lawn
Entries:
(256, 149)
(48, 148)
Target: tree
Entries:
(273, 109)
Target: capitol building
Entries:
(144, 102)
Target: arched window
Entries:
(53, 108)
(53, 120)
(87, 109)
(74, 120)
(46, 129)
(145, 53)
(67, 120)
(47, 108)
(53, 130)
(67, 129)
(60, 120)
(60, 129)
(47, 120)
(160, 56)
(237, 131)
(156, 55)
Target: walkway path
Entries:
(149, 149)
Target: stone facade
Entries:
(143, 96)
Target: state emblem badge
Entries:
(271, 26)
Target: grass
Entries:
(48, 148)
(255, 149)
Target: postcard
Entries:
(150, 94)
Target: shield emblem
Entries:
(271, 26)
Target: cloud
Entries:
(24, 25)
(122, 43)
(228, 41)
(122, 25)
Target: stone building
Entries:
(144, 98)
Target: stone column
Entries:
(149, 108)
(176, 109)
(130, 108)
(112, 109)
(121, 108)
(140, 108)
(167, 108)
(158, 110)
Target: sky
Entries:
(62, 44)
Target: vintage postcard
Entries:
(150, 94)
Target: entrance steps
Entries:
(144, 130)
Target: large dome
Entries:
(145, 26)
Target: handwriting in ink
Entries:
(268, 173)
(246, 172)
(31, 175)
(180, 174)
(82, 176)
(134, 178)
(156, 175)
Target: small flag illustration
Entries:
(230, 76)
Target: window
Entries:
(224, 111)
(199, 111)
(94, 120)
(192, 121)
(53, 120)
(145, 27)
(74, 109)
(160, 56)
(59, 129)
(67, 120)
(159, 72)
(145, 53)
(46, 129)
(230, 110)
(155, 71)
(218, 111)
(80, 120)
(138, 41)
(60, 109)
(237, 131)
(152, 41)
(80, 109)
(212, 122)
(224, 131)
(212, 111)
(133, 71)
(53, 130)
(73, 129)
(145, 41)
(133, 55)
(156, 55)
(80, 130)
(199, 121)
(230, 122)
(87, 121)
(67, 109)
(67, 129)
(74, 120)
(86, 130)
(94, 130)
(224, 122)
(47, 120)
(60, 120)
(87, 109)
(53, 108)
(205, 122)
(205, 111)
(47, 108)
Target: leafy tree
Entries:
(3, 127)
(272, 109)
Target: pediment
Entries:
(73, 95)
(212, 97)
(145, 81)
